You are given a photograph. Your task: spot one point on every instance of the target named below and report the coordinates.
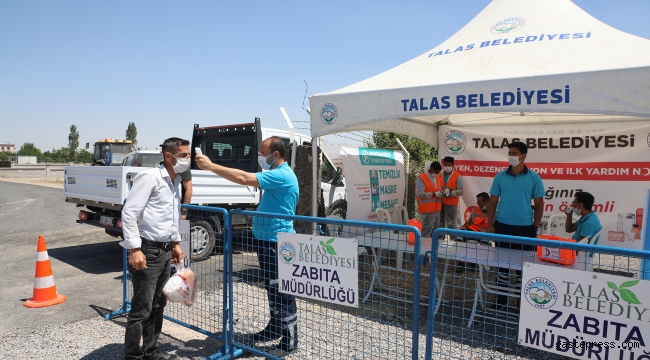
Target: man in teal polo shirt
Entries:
(513, 189)
(588, 225)
(280, 196)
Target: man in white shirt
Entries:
(150, 221)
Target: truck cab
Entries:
(111, 152)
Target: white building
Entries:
(8, 147)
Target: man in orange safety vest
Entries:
(429, 205)
(451, 185)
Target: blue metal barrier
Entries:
(337, 338)
(199, 316)
(491, 340)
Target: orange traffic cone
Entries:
(44, 289)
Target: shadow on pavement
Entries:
(101, 258)
(100, 310)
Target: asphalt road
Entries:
(86, 262)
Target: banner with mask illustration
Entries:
(609, 160)
(374, 179)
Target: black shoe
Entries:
(159, 355)
(271, 332)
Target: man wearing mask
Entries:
(588, 225)
(280, 196)
(451, 184)
(429, 206)
(515, 187)
(150, 222)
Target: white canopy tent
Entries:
(517, 61)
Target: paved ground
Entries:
(53, 183)
(86, 262)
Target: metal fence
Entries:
(476, 312)
(208, 315)
(453, 315)
(385, 324)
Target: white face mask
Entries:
(449, 169)
(263, 160)
(577, 211)
(513, 160)
(181, 165)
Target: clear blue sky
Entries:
(166, 65)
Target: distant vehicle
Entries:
(111, 152)
(143, 158)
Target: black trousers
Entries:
(148, 303)
(283, 306)
(503, 274)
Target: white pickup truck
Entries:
(103, 190)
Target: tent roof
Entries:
(579, 68)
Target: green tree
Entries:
(419, 152)
(29, 149)
(73, 142)
(85, 156)
(132, 133)
(4, 155)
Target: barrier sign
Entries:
(184, 230)
(374, 179)
(319, 267)
(584, 315)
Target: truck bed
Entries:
(109, 185)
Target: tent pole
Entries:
(315, 179)
(406, 167)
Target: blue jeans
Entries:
(148, 303)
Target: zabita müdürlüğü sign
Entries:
(584, 315)
(374, 179)
(319, 267)
(605, 159)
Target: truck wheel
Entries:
(201, 240)
(339, 210)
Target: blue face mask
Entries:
(263, 160)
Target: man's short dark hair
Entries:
(276, 144)
(586, 199)
(170, 145)
(484, 196)
(523, 149)
(448, 159)
(435, 165)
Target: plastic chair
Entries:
(383, 216)
(402, 215)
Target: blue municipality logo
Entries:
(329, 113)
(455, 142)
(507, 25)
(540, 292)
(287, 252)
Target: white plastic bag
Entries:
(181, 287)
